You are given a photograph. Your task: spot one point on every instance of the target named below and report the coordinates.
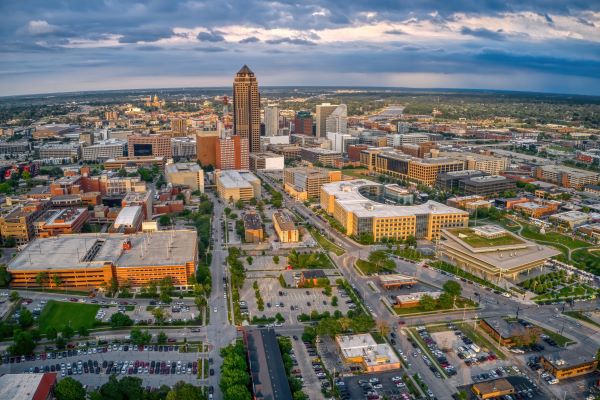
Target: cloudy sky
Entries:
(64, 45)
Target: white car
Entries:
(215, 309)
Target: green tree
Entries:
(239, 204)
(164, 220)
(69, 389)
(249, 260)
(41, 278)
(14, 296)
(25, 318)
(185, 391)
(276, 259)
(411, 241)
(122, 173)
(159, 315)
(4, 276)
(119, 319)
(83, 331)
(23, 343)
(427, 303)
(140, 337)
(51, 333)
(60, 342)
(453, 288)
(334, 301)
(56, 280)
(161, 338)
(67, 332)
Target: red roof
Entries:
(45, 387)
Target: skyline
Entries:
(53, 47)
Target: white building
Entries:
(104, 150)
(340, 141)
(184, 147)
(271, 118)
(337, 121)
(266, 160)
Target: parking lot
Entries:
(155, 365)
(388, 384)
(289, 302)
(524, 389)
(179, 310)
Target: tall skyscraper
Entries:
(246, 108)
(322, 112)
(271, 120)
(337, 121)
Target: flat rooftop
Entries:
(395, 278)
(284, 221)
(182, 167)
(571, 216)
(175, 247)
(563, 359)
(252, 221)
(24, 386)
(65, 216)
(348, 197)
(416, 296)
(364, 346)
(236, 179)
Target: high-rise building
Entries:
(337, 121)
(232, 153)
(303, 123)
(322, 112)
(246, 108)
(271, 120)
(206, 143)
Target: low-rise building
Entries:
(413, 299)
(28, 386)
(135, 162)
(237, 185)
(569, 364)
(253, 230)
(60, 151)
(319, 156)
(493, 389)
(449, 181)
(362, 350)
(18, 223)
(487, 185)
(62, 221)
(286, 229)
(508, 333)
(492, 252)
(266, 161)
(311, 277)
(129, 220)
(187, 174)
(571, 219)
(537, 209)
(397, 281)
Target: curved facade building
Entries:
(356, 206)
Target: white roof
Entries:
(348, 197)
(127, 216)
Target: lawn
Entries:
(369, 268)
(559, 339)
(461, 303)
(587, 260)
(581, 316)
(359, 173)
(325, 243)
(532, 233)
(309, 260)
(59, 314)
(474, 240)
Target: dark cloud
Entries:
(145, 35)
(482, 33)
(295, 41)
(395, 32)
(210, 37)
(210, 49)
(585, 22)
(548, 18)
(251, 39)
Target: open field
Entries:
(369, 268)
(59, 314)
(474, 240)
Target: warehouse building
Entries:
(235, 185)
(362, 349)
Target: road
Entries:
(490, 304)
